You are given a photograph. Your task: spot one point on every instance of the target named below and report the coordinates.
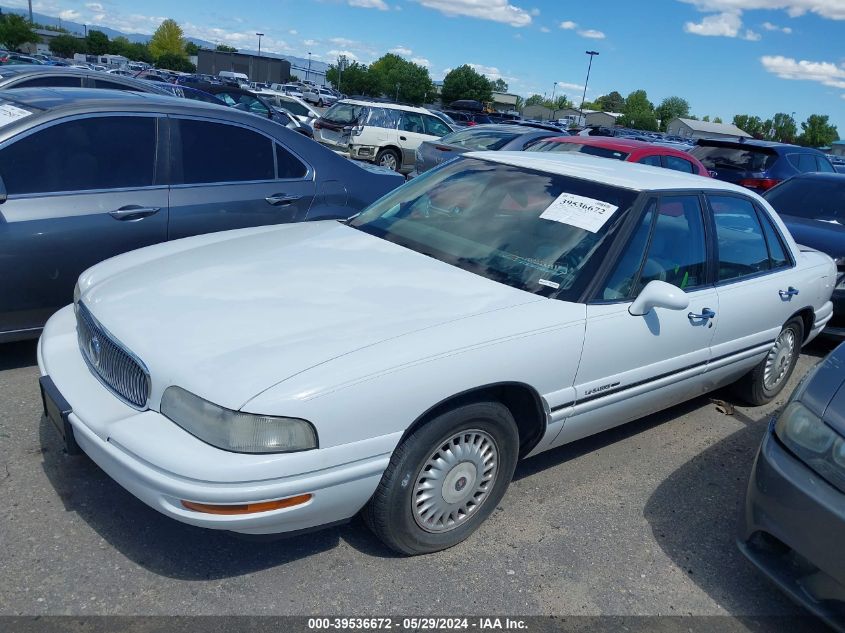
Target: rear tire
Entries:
(388, 158)
(445, 479)
(763, 383)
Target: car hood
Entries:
(828, 237)
(228, 317)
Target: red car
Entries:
(629, 150)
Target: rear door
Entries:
(230, 176)
(411, 133)
(634, 365)
(80, 190)
(755, 277)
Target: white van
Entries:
(241, 78)
(386, 134)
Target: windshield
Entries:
(814, 199)
(479, 139)
(343, 113)
(534, 231)
(592, 150)
(738, 158)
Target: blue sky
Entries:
(724, 56)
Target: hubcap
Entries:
(454, 481)
(389, 161)
(779, 359)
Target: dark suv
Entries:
(758, 165)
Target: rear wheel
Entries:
(768, 378)
(388, 158)
(445, 479)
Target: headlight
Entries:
(813, 442)
(234, 430)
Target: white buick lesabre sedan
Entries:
(280, 378)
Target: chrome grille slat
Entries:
(116, 367)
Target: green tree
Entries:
(167, 38)
(534, 99)
(817, 132)
(639, 112)
(464, 82)
(191, 48)
(66, 45)
(782, 128)
(222, 48)
(354, 80)
(560, 103)
(718, 119)
(706, 118)
(15, 30)
(753, 125)
(671, 108)
(611, 102)
(139, 52)
(171, 61)
(97, 42)
(500, 85)
(120, 46)
(396, 77)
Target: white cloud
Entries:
(825, 73)
(69, 14)
(421, 61)
(721, 25)
(832, 9)
(495, 10)
(94, 6)
(545, 29)
(592, 34)
(342, 41)
(570, 86)
(369, 4)
(334, 54)
(774, 27)
(309, 42)
(568, 25)
(293, 32)
(402, 50)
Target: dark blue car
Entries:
(794, 515)
(758, 165)
(813, 208)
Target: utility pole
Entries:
(308, 72)
(341, 64)
(584, 97)
(260, 35)
(30, 11)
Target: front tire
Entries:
(763, 383)
(445, 479)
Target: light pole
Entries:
(258, 70)
(584, 97)
(260, 35)
(341, 64)
(308, 72)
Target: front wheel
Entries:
(769, 377)
(445, 479)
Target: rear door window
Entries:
(217, 152)
(113, 85)
(651, 160)
(82, 155)
(434, 126)
(678, 164)
(803, 162)
(777, 251)
(411, 122)
(50, 81)
(742, 247)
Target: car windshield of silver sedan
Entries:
(534, 231)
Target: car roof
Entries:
(615, 173)
(753, 142)
(504, 127)
(821, 175)
(385, 104)
(80, 98)
(610, 142)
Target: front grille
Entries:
(116, 367)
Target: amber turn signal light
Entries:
(247, 508)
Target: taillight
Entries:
(763, 184)
(471, 123)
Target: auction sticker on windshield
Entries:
(578, 211)
(10, 114)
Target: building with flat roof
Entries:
(269, 69)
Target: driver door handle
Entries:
(788, 293)
(706, 314)
(281, 199)
(133, 212)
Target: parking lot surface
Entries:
(639, 520)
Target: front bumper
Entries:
(163, 465)
(792, 529)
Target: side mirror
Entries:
(2, 191)
(659, 294)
